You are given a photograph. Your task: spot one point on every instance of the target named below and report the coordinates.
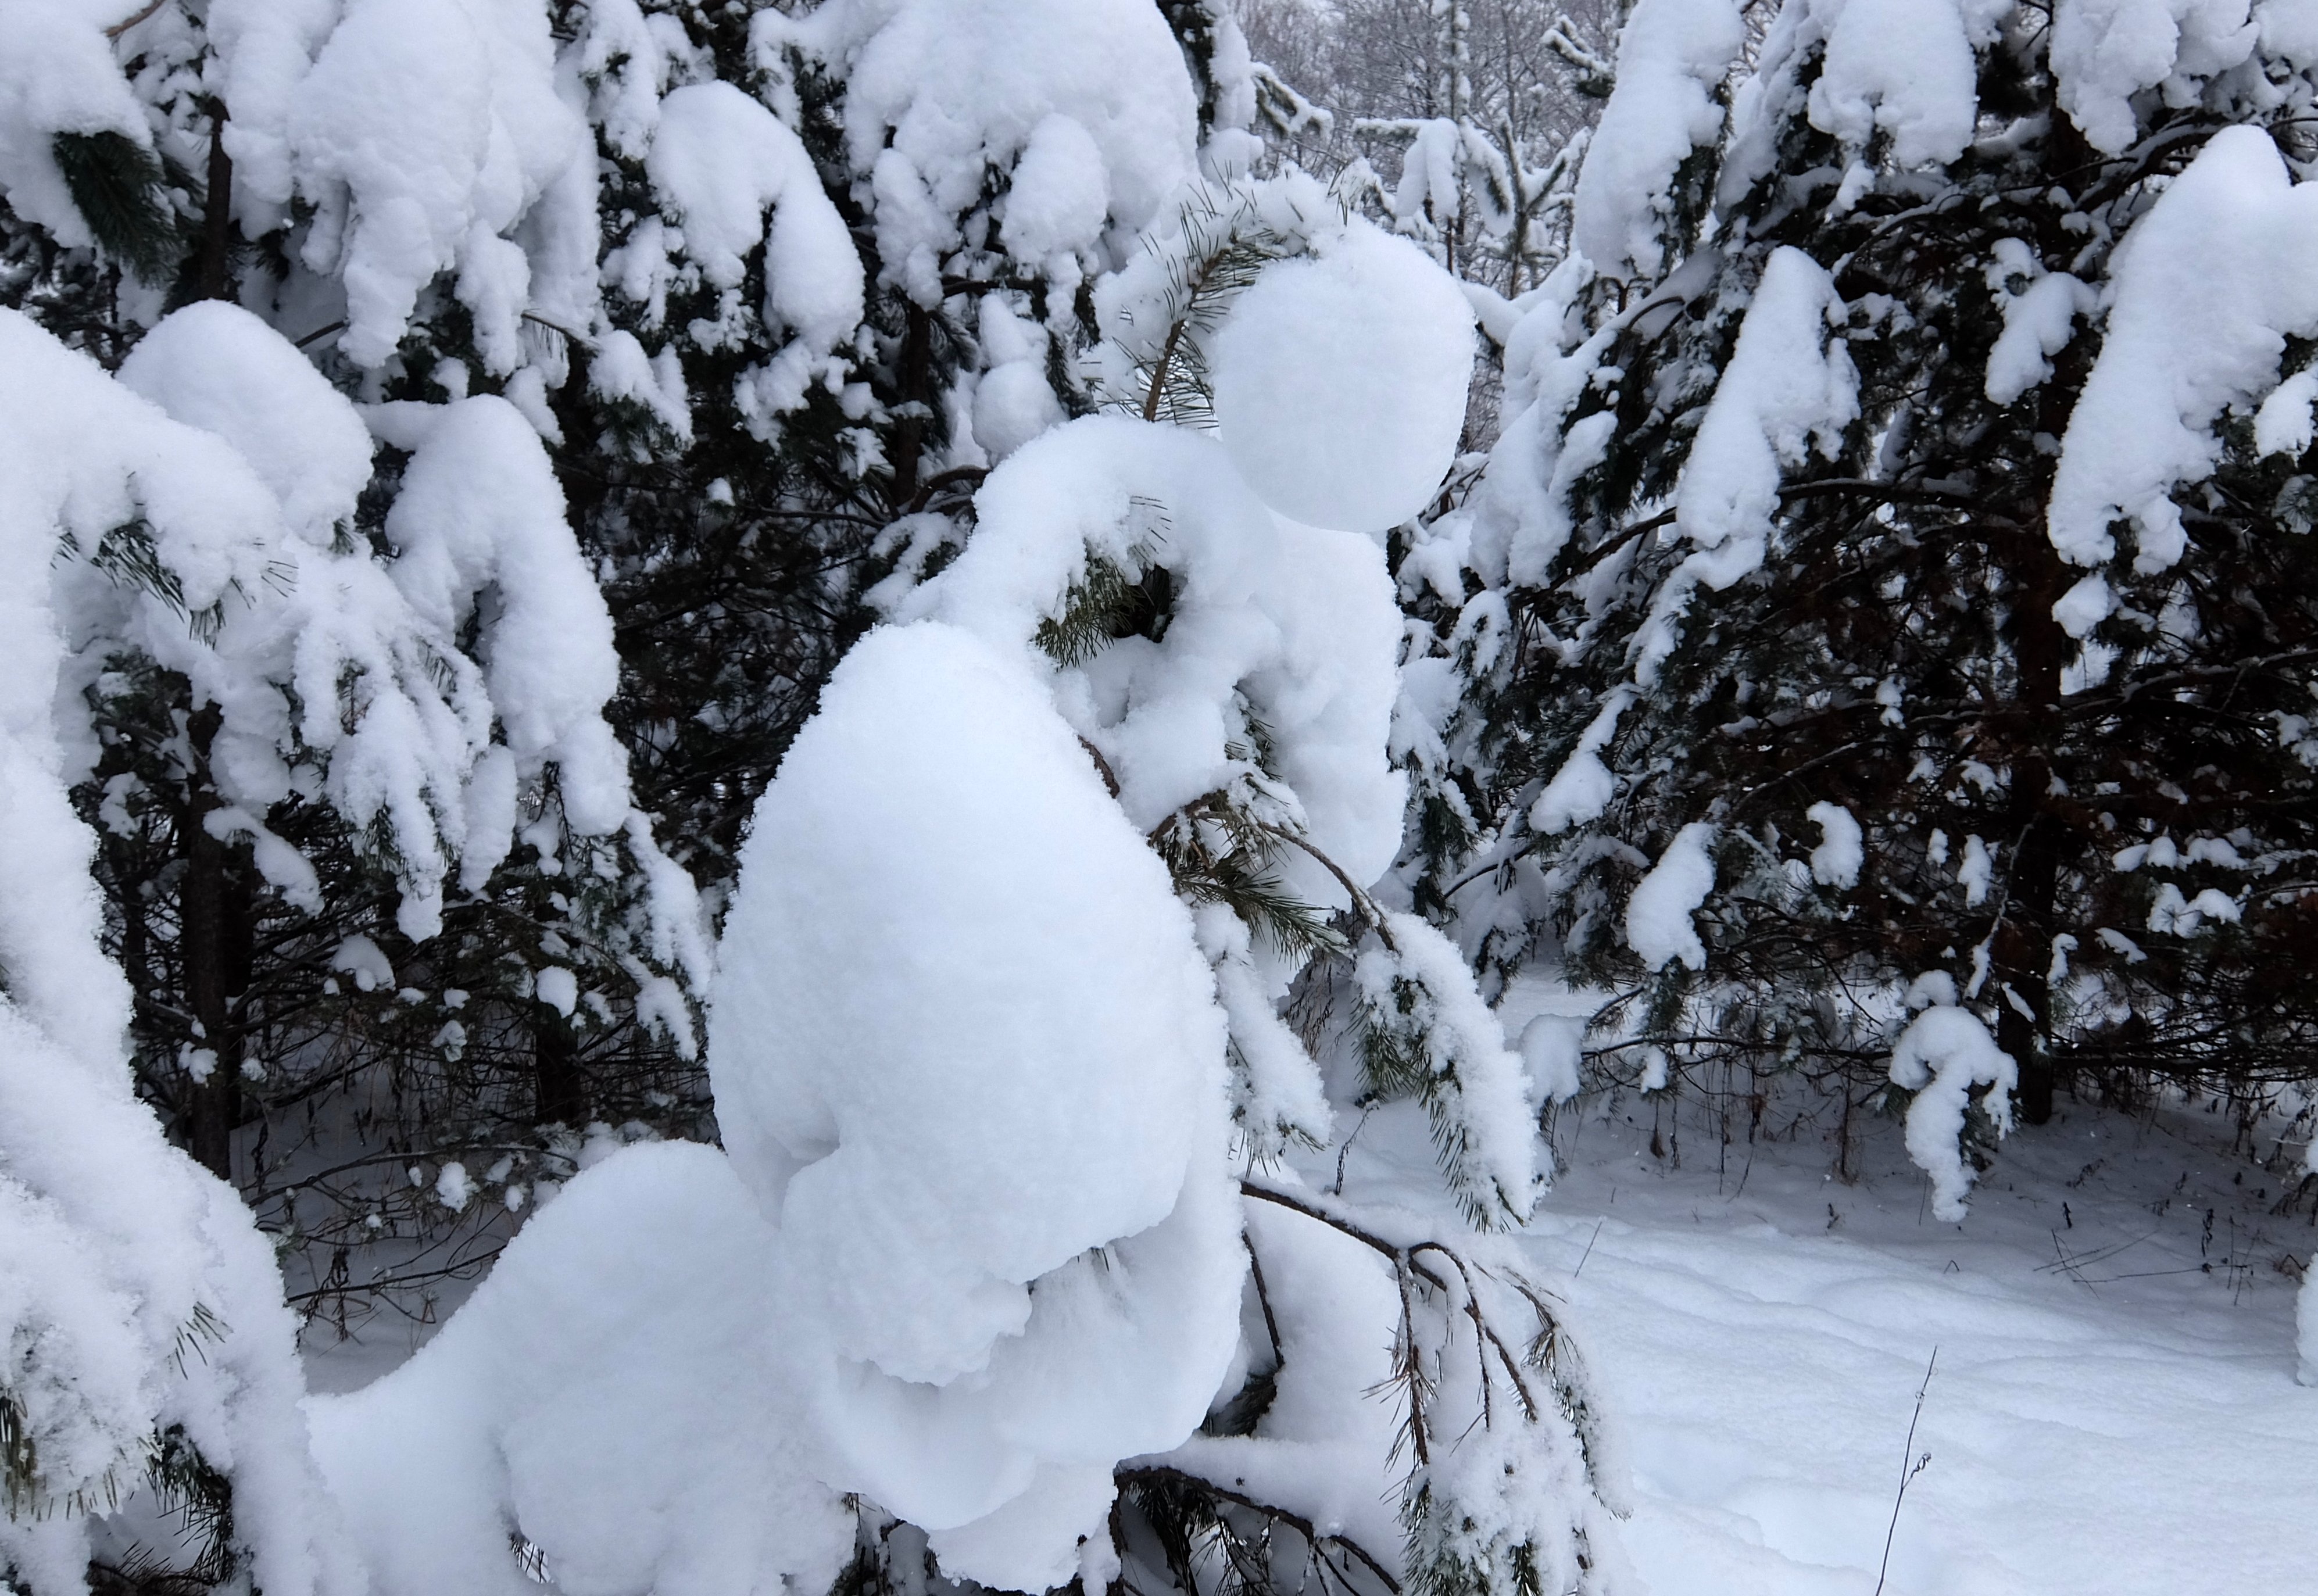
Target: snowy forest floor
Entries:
(2113, 1409)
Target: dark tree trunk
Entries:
(559, 1088)
(915, 381)
(2023, 939)
(215, 279)
(217, 903)
(215, 909)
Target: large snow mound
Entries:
(963, 1040)
(1340, 381)
(611, 1393)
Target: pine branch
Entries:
(121, 193)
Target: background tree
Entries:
(1854, 617)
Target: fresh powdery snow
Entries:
(2206, 288)
(940, 93)
(1370, 326)
(1906, 68)
(1672, 56)
(2113, 1321)
(1659, 914)
(1062, 1004)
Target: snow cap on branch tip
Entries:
(1906, 68)
(58, 75)
(1836, 861)
(2204, 292)
(1582, 788)
(1088, 105)
(2105, 52)
(424, 132)
(1340, 380)
(1789, 388)
(1672, 58)
(1553, 1050)
(1945, 1053)
(1294, 626)
(216, 366)
(1659, 925)
(1442, 1045)
(720, 161)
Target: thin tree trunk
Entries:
(916, 385)
(216, 901)
(559, 1089)
(215, 281)
(214, 908)
(2023, 941)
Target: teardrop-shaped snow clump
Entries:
(1340, 381)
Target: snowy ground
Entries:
(2113, 1409)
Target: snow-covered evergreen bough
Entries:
(1002, 1272)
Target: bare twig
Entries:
(1162, 1474)
(1911, 1466)
(119, 28)
(1589, 1246)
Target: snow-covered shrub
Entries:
(334, 795)
(385, 374)
(997, 1020)
(1226, 674)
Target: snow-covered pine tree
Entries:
(745, 515)
(1038, 875)
(319, 935)
(1891, 587)
(153, 1367)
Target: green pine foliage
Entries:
(122, 193)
